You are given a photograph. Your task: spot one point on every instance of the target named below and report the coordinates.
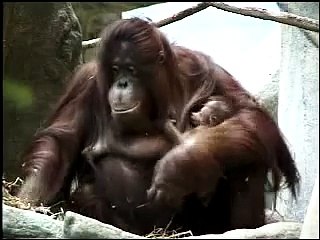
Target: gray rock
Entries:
(298, 111)
(280, 230)
(18, 223)
(268, 96)
(78, 226)
(310, 227)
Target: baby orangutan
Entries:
(215, 120)
(214, 112)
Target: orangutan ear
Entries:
(161, 57)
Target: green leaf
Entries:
(17, 93)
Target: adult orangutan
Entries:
(118, 107)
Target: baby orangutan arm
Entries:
(182, 172)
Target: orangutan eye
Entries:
(115, 69)
(132, 70)
(213, 119)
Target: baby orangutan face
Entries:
(212, 113)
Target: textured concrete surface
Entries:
(20, 223)
(310, 228)
(298, 111)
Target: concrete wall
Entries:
(310, 228)
(298, 110)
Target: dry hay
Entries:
(162, 233)
(165, 233)
(14, 201)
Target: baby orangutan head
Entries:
(214, 112)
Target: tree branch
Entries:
(282, 17)
(183, 14)
(311, 37)
(90, 43)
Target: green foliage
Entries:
(20, 95)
